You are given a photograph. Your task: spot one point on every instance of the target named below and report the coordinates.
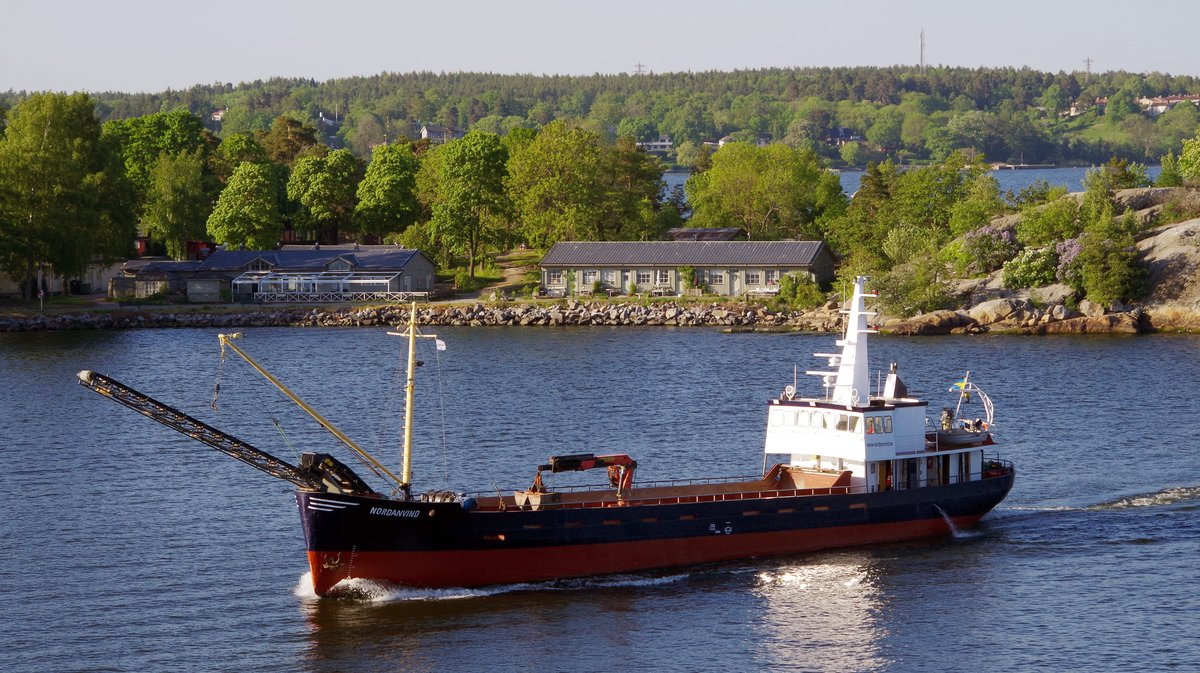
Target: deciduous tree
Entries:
(387, 200)
(471, 209)
(770, 192)
(246, 215)
(326, 188)
(64, 200)
(177, 205)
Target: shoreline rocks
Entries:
(1008, 316)
(563, 314)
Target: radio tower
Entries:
(639, 69)
(922, 50)
(1088, 75)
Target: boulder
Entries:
(1113, 323)
(935, 322)
(1057, 293)
(997, 310)
(1091, 309)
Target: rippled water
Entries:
(126, 547)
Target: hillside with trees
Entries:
(847, 115)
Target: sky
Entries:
(154, 45)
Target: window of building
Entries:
(590, 277)
(716, 277)
(662, 276)
(259, 265)
(771, 277)
(610, 277)
(643, 277)
(753, 278)
(554, 277)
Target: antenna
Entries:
(922, 50)
(1088, 76)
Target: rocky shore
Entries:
(479, 314)
(999, 315)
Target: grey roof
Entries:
(680, 253)
(159, 268)
(305, 258)
(705, 234)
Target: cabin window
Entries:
(590, 277)
(771, 277)
(554, 277)
(843, 422)
(662, 276)
(643, 277)
(610, 277)
(753, 278)
(855, 426)
(804, 419)
(716, 277)
(887, 424)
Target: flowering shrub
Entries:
(1068, 270)
(989, 247)
(1033, 267)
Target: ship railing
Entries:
(994, 467)
(608, 496)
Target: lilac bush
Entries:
(1068, 270)
(990, 246)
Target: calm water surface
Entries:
(127, 547)
(1014, 181)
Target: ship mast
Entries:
(409, 389)
(227, 340)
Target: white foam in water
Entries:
(1167, 496)
(376, 591)
(955, 531)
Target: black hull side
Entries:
(372, 524)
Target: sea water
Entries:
(128, 547)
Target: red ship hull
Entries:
(439, 545)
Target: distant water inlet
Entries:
(1010, 180)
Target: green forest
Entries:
(549, 159)
(901, 113)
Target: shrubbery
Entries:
(1032, 267)
(989, 247)
(800, 291)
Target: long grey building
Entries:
(655, 267)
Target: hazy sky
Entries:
(152, 45)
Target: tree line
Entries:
(848, 115)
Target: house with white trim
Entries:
(728, 268)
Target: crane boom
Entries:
(198, 430)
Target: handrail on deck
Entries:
(609, 499)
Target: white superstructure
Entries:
(883, 440)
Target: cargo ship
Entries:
(853, 467)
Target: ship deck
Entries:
(781, 481)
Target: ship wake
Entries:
(379, 592)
